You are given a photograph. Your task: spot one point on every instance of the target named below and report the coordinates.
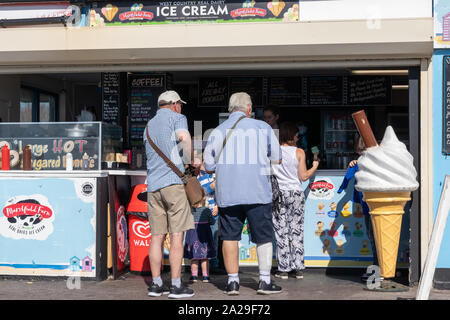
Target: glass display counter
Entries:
(51, 141)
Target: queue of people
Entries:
(234, 191)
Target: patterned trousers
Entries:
(288, 223)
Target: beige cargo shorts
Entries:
(169, 210)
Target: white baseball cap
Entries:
(170, 97)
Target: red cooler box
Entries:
(139, 229)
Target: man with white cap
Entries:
(169, 208)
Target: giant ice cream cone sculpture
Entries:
(386, 176)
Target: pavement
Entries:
(317, 284)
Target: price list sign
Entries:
(144, 93)
(446, 107)
(285, 91)
(111, 97)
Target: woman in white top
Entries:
(288, 218)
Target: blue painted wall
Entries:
(441, 163)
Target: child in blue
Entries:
(208, 182)
(198, 244)
(358, 198)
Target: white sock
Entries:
(233, 277)
(265, 252)
(158, 281)
(176, 282)
(264, 276)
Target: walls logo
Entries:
(142, 229)
(27, 217)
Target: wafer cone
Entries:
(386, 211)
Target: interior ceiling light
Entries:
(380, 72)
(400, 87)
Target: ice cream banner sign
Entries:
(148, 12)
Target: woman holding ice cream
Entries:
(288, 218)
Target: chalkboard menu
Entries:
(324, 90)
(213, 92)
(144, 91)
(368, 90)
(111, 97)
(446, 107)
(251, 85)
(285, 91)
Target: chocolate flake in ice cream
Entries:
(387, 167)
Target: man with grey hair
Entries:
(169, 208)
(240, 151)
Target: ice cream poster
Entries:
(441, 24)
(336, 230)
(146, 12)
(247, 249)
(48, 226)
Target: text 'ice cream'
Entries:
(387, 167)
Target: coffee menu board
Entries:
(368, 90)
(213, 92)
(446, 106)
(251, 85)
(111, 97)
(324, 90)
(284, 91)
(144, 91)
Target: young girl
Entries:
(199, 246)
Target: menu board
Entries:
(446, 107)
(368, 90)
(111, 97)
(285, 91)
(144, 90)
(251, 85)
(324, 90)
(213, 92)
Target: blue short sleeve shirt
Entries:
(163, 129)
(243, 167)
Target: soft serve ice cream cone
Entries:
(386, 176)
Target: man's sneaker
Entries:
(271, 288)
(157, 291)
(299, 274)
(193, 279)
(181, 292)
(232, 288)
(281, 275)
(205, 279)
